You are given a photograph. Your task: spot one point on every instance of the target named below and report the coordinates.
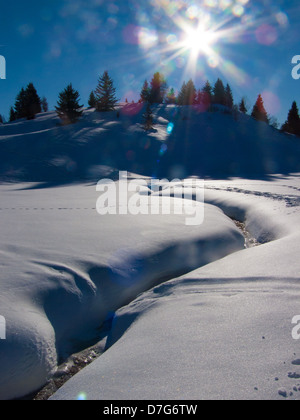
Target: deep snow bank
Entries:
(64, 268)
(223, 331)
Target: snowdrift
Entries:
(65, 270)
(223, 331)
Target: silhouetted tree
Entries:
(68, 109)
(242, 107)
(20, 105)
(105, 94)
(259, 113)
(145, 92)
(92, 100)
(228, 96)
(158, 87)
(206, 97)
(292, 124)
(219, 96)
(32, 102)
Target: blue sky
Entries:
(54, 42)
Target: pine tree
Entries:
(207, 95)
(12, 115)
(259, 113)
(92, 100)
(105, 94)
(219, 96)
(242, 107)
(228, 96)
(199, 96)
(20, 105)
(32, 102)
(1, 119)
(145, 92)
(292, 124)
(68, 109)
(182, 94)
(44, 104)
(148, 118)
(158, 87)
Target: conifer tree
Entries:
(105, 94)
(242, 107)
(219, 96)
(292, 124)
(92, 100)
(259, 113)
(20, 105)
(44, 104)
(228, 96)
(182, 94)
(145, 92)
(32, 102)
(190, 93)
(1, 119)
(68, 109)
(199, 96)
(158, 87)
(206, 97)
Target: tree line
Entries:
(103, 99)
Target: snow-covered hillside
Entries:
(184, 141)
(194, 314)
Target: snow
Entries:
(65, 269)
(223, 331)
(194, 314)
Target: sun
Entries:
(199, 40)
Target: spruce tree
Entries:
(44, 104)
(228, 96)
(182, 94)
(190, 93)
(20, 105)
(171, 97)
(145, 92)
(105, 94)
(92, 100)
(32, 102)
(158, 87)
(219, 96)
(68, 109)
(242, 107)
(292, 124)
(259, 113)
(206, 97)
